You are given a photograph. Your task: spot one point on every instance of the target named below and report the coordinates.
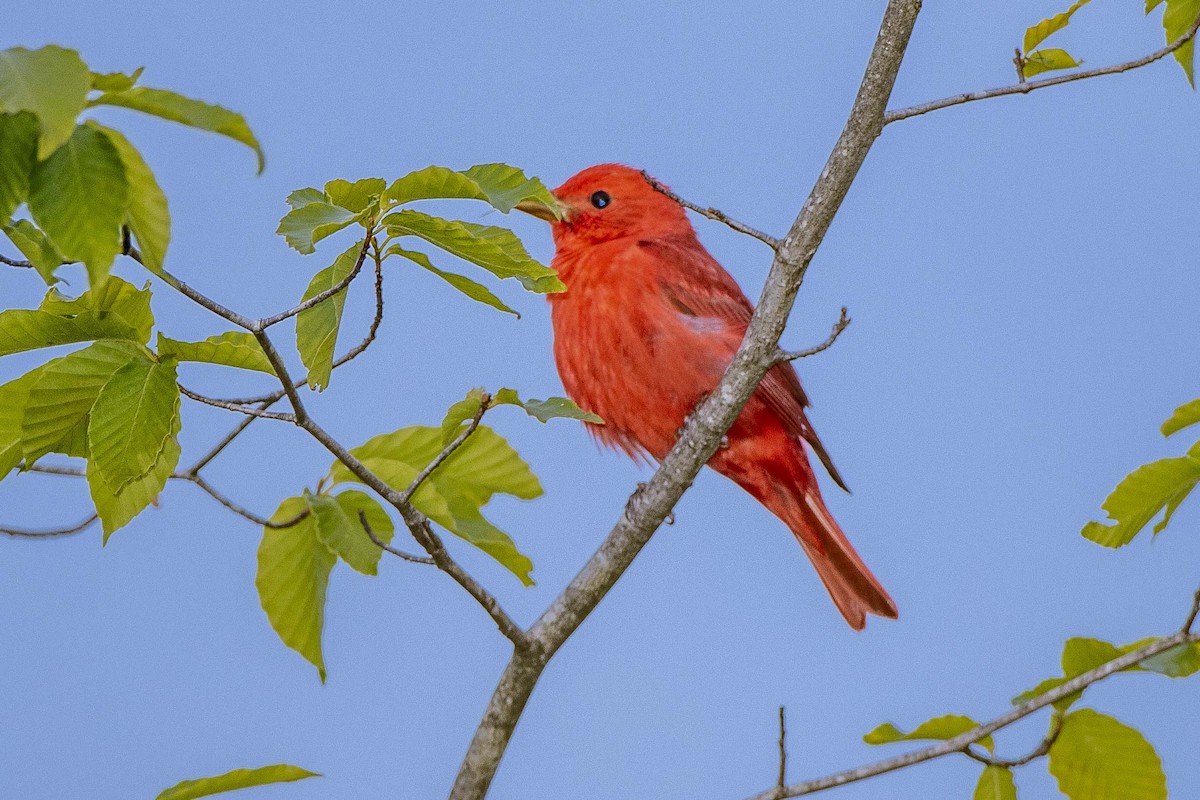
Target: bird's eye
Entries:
(600, 199)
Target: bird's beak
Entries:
(541, 210)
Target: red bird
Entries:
(646, 328)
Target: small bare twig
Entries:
(241, 511)
(362, 518)
(53, 469)
(448, 450)
(341, 285)
(781, 783)
(228, 406)
(49, 534)
(15, 262)
(1191, 617)
(714, 214)
(227, 440)
(1027, 87)
(838, 327)
(1042, 749)
(1019, 63)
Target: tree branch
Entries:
(839, 326)
(702, 432)
(1026, 88)
(251, 411)
(781, 779)
(712, 213)
(340, 286)
(1042, 749)
(362, 518)
(49, 534)
(449, 449)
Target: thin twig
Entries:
(448, 450)
(228, 406)
(53, 469)
(237, 509)
(14, 262)
(1191, 618)
(227, 440)
(193, 295)
(838, 327)
(49, 534)
(712, 213)
(316, 299)
(1026, 88)
(362, 517)
(782, 778)
(1043, 747)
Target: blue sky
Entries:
(1022, 278)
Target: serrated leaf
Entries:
(24, 329)
(14, 396)
(303, 197)
(354, 196)
(1186, 415)
(18, 149)
(1151, 489)
(64, 393)
(497, 250)
(1177, 20)
(117, 509)
(499, 185)
(472, 289)
(1048, 60)
(303, 227)
(131, 420)
(1036, 34)
(317, 327)
(341, 530)
(36, 247)
(79, 197)
(231, 349)
(1096, 757)
(459, 413)
(237, 779)
(996, 783)
(52, 83)
(293, 574)
(940, 728)
(115, 81)
(115, 301)
(148, 215)
(454, 493)
(193, 113)
(548, 409)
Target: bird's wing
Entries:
(697, 286)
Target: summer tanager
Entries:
(647, 326)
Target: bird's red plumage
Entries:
(647, 326)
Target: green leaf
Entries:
(473, 290)
(193, 113)
(133, 416)
(1186, 415)
(52, 82)
(26, 329)
(459, 413)
(293, 574)
(497, 250)
(117, 509)
(317, 327)
(1177, 20)
(1095, 757)
(115, 302)
(237, 779)
(303, 227)
(79, 196)
(1151, 489)
(231, 349)
(355, 196)
(996, 783)
(36, 247)
(340, 529)
(303, 197)
(1048, 60)
(65, 392)
(115, 81)
(548, 409)
(18, 148)
(14, 395)
(1038, 33)
(148, 215)
(500, 185)
(941, 728)
(454, 493)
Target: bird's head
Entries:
(610, 201)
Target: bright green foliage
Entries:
(996, 783)
(1051, 58)
(497, 250)
(1036, 34)
(116, 302)
(1186, 415)
(14, 396)
(940, 728)
(115, 81)
(18, 148)
(36, 247)
(541, 410)
(117, 509)
(28, 329)
(293, 574)
(500, 185)
(1178, 20)
(475, 291)
(78, 196)
(134, 414)
(357, 196)
(237, 779)
(317, 327)
(51, 82)
(340, 529)
(302, 197)
(231, 349)
(303, 227)
(454, 493)
(1151, 489)
(193, 113)
(1095, 757)
(147, 215)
